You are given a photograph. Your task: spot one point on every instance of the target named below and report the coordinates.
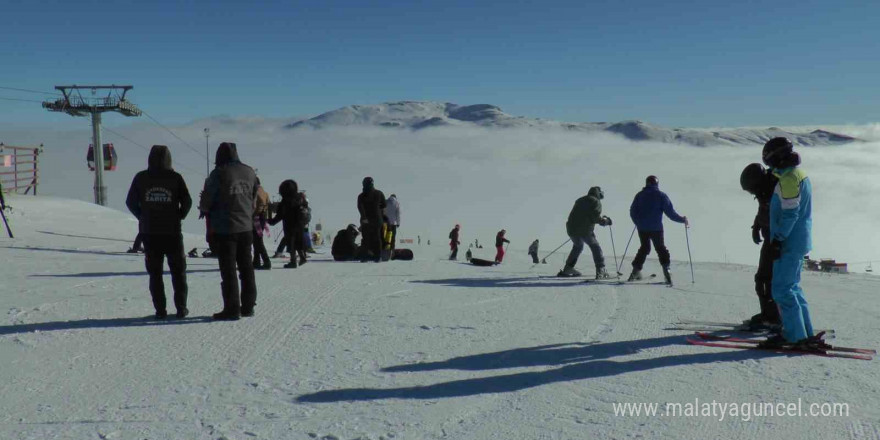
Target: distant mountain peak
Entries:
(421, 115)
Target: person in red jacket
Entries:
(499, 245)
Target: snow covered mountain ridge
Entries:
(419, 115)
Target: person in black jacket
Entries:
(158, 197)
(760, 182)
(290, 212)
(371, 204)
(345, 247)
(228, 202)
(453, 242)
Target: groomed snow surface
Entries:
(425, 349)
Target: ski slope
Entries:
(427, 349)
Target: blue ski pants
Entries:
(789, 296)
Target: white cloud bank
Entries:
(519, 179)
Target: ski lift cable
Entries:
(28, 90)
(145, 148)
(197, 151)
(19, 99)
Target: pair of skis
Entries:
(713, 340)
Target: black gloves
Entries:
(604, 221)
(775, 249)
(201, 215)
(756, 234)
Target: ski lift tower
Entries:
(75, 104)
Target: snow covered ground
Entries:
(425, 349)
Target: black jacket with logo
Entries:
(158, 196)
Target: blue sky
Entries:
(676, 63)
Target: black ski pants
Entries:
(763, 281)
(645, 240)
(234, 254)
(371, 244)
(261, 255)
(296, 242)
(138, 241)
(534, 257)
(156, 248)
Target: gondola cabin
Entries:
(110, 158)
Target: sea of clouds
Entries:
(522, 180)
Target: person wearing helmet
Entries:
(646, 212)
(453, 242)
(582, 220)
(791, 222)
(371, 204)
(760, 182)
(344, 246)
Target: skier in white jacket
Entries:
(392, 212)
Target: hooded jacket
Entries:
(230, 191)
(648, 207)
(290, 208)
(158, 196)
(392, 210)
(585, 214)
(344, 245)
(371, 203)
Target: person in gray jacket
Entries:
(392, 212)
(228, 201)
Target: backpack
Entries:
(305, 213)
(262, 202)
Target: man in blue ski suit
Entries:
(646, 212)
(790, 231)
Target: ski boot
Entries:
(291, 265)
(667, 276)
(194, 253)
(636, 275)
(602, 274)
(813, 343)
(775, 340)
(759, 322)
(569, 271)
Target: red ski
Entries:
(711, 337)
(749, 346)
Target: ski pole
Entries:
(544, 260)
(6, 222)
(611, 231)
(688, 240)
(622, 258)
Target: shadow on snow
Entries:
(98, 323)
(575, 361)
(111, 274)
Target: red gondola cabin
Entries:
(110, 158)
